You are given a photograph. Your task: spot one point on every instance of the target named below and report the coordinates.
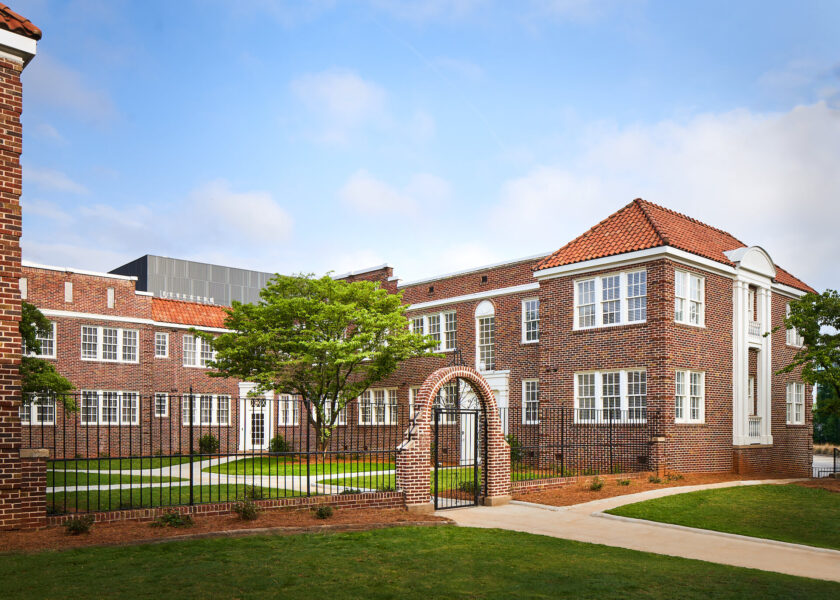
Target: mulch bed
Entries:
(128, 532)
(825, 483)
(579, 492)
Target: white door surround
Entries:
(256, 418)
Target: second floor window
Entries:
(109, 344)
(689, 298)
(197, 351)
(441, 326)
(47, 343)
(792, 337)
(795, 403)
(486, 351)
(161, 344)
(531, 320)
(608, 300)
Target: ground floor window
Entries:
(161, 404)
(37, 410)
(288, 412)
(110, 407)
(378, 407)
(530, 401)
(611, 396)
(207, 409)
(690, 397)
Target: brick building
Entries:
(649, 312)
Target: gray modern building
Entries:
(194, 281)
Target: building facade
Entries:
(649, 314)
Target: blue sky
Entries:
(432, 135)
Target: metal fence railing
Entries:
(123, 450)
(560, 441)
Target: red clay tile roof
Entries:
(188, 313)
(11, 21)
(641, 225)
(786, 278)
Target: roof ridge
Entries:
(687, 218)
(640, 202)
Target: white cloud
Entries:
(341, 100)
(804, 81)
(460, 67)
(47, 131)
(46, 209)
(52, 180)
(770, 179)
(365, 193)
(51, 83)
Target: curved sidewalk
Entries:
(585, 523)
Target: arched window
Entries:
(485, 328)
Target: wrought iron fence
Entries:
(560, 441)
(122, 450)
(833, 470)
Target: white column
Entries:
(765, 367)
(740, 364)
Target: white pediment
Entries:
(754, 259)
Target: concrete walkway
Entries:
(587, 523)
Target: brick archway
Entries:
(413, 466)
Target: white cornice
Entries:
(69, 314)
(32, 265)
(21, 47)
(516, 289)
(787, 290)
(506, 263)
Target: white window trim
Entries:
(100, 344)
(199, 344)
(389, 414)
(792, 399)
(442, 320)
(792, 337)
(686, 320)
(523, 322)
(624, 401)
(342, 415)
(166, 344)
(413, 392)
(54, 345)
(284, 402)
(214, 410)
(525, 420)
(165, 412)
(32, 407)
(686, 418)
(100, 397)
(623, 305)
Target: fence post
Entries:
(562, 441)
(192, 441)
(308, 449)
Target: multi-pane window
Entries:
(689, 397)
(447, 400)
(378, 407)
(161, 404)
(609, 396)
(37, 410)
(531, 320)
(792, 336)
(440, 326)
(413, 394)
(637, 296)
(530, 401)
(161, 344)
(611, 300)
(689, 298)
(206, 409)
(197, 351)
(109, 344)
(341, 418)
(288, 413)
(46, 343)
(795, 403)
(486, 351)
(110, 407)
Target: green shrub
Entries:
(673, 477)
(247, 509)
(385, 488)
(172, 518)
(596, 484)
(623, 482)
(467, 486)
(350, 491)
(515, 448)
(78, 525)
(252, 493)
(208, 444)
(324, 512)
(654, 479)
(279, 444)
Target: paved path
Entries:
(587, 523)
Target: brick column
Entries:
(657, 455)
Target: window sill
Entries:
(112, 362)
(608, 327)
(691, 325)
(796, 425)
(529, 342)
(161, 357)
(691, 423)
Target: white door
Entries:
(256, 423)
(468, 427)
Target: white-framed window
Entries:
(608, 300)
(751, 396)
(441, 326)
(485, 328)
(47, 343)
(413, 393)
(341, 419)
(795, 403)
(378, 407)
(531, 320)
(110, 407)
(288, 413)
(447, 399)
(37, 410)
(161, 344)
(611, 396)
(207, 409)
(530, 401)
(197, 351)
(161, 404)
(690, 397)
(792, 337)
(689, 298)
(110, 344)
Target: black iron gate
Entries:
(459, 446)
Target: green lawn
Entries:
(137, 497)
(449, 479)
(277, 465)
(67, 478)
(439, 562)
(789, 513)
(116, 464)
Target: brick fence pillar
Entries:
(32, 511)
(657, 455)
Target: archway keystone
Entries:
(413, 459)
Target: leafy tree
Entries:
(326, 340)
(39, 375)
(827, 417)
(817, 319)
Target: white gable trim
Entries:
(526, 287)
(69, 314)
